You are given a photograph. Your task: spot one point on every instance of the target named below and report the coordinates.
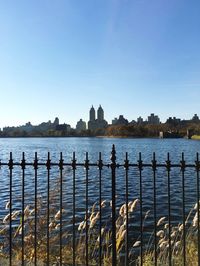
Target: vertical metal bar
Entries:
(35, 218)
(198, 214)
(23, 163)
(100, 166)
(140, 166)
(86, 208)
(168, 167)
(154, 164)
(183, 207)
(113, 169)
(61, 203)
(10, 164)
(48, 165)
(126, 166)
(74, 207)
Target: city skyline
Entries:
(97, 115)
(133, 57)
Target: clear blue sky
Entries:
(133, 57)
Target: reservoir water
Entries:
(95, 145)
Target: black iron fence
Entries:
(77, 232)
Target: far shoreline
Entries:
(110, 137)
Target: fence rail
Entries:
(98, 246)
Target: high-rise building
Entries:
(92, 114)
(99, 123)
(195, 118)
(120, 121)
(153, 119)
(80, 126)
(100, 113)
(173, 121)
(56, 121)
(140, 120)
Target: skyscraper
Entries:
(92, 114)
(99, 123)
(100, 113)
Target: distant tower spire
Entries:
(100, 113)
(92, 114)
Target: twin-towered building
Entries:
(96, 122)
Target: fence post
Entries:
(48, 166)
(23, 166)
(74, 207)
(113, 169)
(100, 166)
(126, 167)
(10, 165)
(197, 163)
(35, 165)
(183, 167)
